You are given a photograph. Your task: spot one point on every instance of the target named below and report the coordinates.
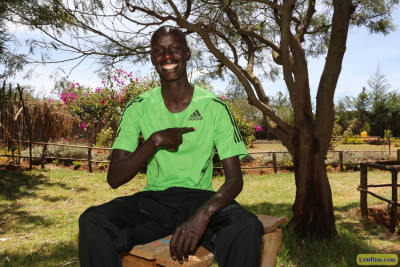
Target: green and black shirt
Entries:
(191, 166)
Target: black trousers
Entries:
(234, 235)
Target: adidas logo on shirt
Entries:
(196, 116)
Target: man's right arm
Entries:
(124, 165)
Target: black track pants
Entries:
(234, 235)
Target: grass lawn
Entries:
(39, 211)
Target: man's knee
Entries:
(253, 227)
(88, 217)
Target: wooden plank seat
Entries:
(157, 253)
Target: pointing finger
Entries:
(184, 130)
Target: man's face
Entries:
(169, 55)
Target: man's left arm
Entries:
(187, 236)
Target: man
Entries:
(180, 123)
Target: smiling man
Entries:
(180, 123)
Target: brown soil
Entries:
(380, 215)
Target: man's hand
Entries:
(170, 138)
(187, 236)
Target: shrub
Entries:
(356, 157)
(282, 159)
(105, 137)
(105, 103)
(77, 164)
(66, 152)
(353, 140)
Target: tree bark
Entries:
(313, 206)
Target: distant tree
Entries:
(378, 92)
(280, 103)
(373, 110)
(235, 90)
(343, 112)
(357, 108)
(252, 40)
(362, 105)
(393, 115)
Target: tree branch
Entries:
(330, 75)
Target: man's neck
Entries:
(177, 95)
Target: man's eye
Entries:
(158, 51)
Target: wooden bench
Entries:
(157, 253)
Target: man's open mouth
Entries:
(169, 66)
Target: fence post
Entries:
(19, 148)
(363, 186)
(398, 154)
(393, 207)
(90, 159)
(341, 161)
(274, 162)
(43, 162)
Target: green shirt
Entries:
(191, 166)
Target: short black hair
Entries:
(169, 29)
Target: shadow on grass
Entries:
(47, 254)
(340, 251)
(17, 186)
(278, 210)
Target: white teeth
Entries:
(169, 66)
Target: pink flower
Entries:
(137, 79)
(102, 102)
(68, 98)
(50, 100)
(103, 82)
(223, 97)
(83, 126)
(258, 128)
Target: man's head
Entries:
(170, 53)
(168, 30)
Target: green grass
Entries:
(39, 211)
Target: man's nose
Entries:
(167, 54)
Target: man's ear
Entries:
(189, 54)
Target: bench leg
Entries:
(270, 247)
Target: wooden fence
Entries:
(274, 164)
(394, 168)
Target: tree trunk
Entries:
(313, 206)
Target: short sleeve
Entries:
(227, 137)
(128, 130)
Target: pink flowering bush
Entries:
(106, 102)
(258, 128)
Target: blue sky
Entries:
(364, 53)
